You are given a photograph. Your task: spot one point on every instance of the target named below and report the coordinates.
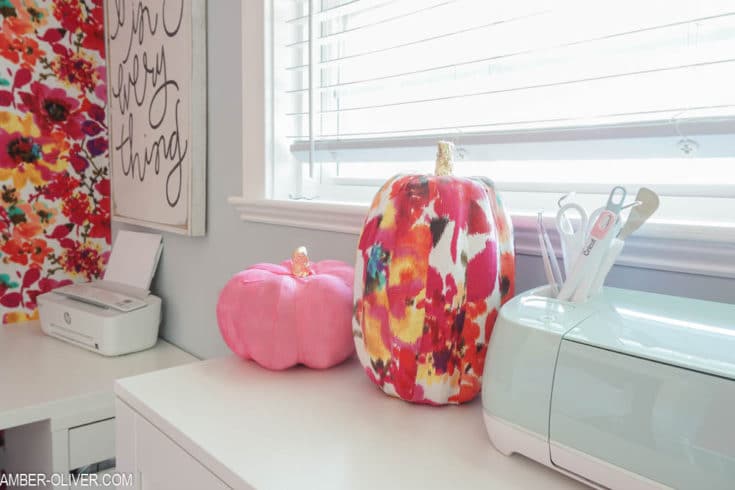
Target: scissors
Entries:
(572, 239)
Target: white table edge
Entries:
(171, 432)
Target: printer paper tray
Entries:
(71, 336)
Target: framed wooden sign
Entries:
(157, 98)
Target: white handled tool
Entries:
(614, 205)
(589, 259)
(552, 255)
(551, 264)
(602, 248)
(648, 204)
(571, 239)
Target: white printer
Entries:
(114, 316)
(629, 390)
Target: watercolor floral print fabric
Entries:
(54, 179)
(435, 261)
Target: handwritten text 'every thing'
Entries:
(134, 76)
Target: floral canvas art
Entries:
(54, 177)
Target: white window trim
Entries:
(679, 247)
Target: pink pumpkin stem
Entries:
(300, 266)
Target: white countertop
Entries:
(45, 378)
(331, 429)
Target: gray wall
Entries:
(192, 270)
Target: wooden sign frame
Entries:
(171, 150)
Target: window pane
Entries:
(564, 94)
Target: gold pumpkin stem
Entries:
(444, 155)
(300, 266)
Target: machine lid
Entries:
(536, 309)
(692, 334)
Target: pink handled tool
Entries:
(585, 266)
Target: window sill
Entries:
(679, 247)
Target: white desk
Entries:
(229, 423)
(49, 387)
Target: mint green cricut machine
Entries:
(629, 390)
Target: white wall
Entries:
(193, 270)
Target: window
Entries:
(542, 96)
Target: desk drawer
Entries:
(91, 443)
(163, 464)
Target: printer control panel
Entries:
(101, 297)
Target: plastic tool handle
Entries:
(571, 238)
(558, 278)
(547, 266)
(570, 249)
(616, 199)
(616, 246)
(604, 231)
(589, 259)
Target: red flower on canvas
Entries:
(53, 110)
(26, 154)
(39, 250)
(17, 49)
(76, 69)
(16, 148)
(17, 45)
(83, 259)
(15, 250)
(70, 14)
(94, 29)
(75, 16)
(77, 208)
(61, 187)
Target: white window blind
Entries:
(543, 97)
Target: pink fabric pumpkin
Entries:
(295, 312)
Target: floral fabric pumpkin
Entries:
(435, 261)
(293, 313)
